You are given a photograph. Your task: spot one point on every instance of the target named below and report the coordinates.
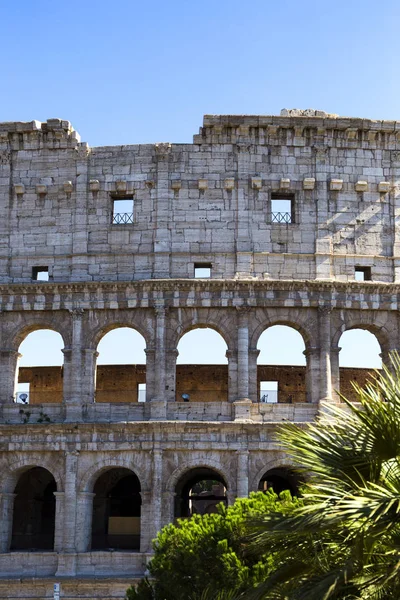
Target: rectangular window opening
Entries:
(202, 270)
(362, 274)
(282, 208)
(22, 393)
(269, 392)
(40, 273)
(122, 211)
(141, 393)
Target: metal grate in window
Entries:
(281, 217)
(122, 218)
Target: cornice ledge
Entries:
(199, 285)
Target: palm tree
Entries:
(344, 542)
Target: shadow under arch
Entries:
(116, 517)
(34, 511)
(198, 491)
(279, 479)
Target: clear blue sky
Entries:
(133, 72)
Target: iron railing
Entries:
(282, 217)
(122, 219)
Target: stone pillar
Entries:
(155, 500)
(145, 522)
(230, 496)
(88, 378)
(59, 524)
(70, 504)
(160, 352)
(232, 375)
(162, 201)
(243, 474)
(8, 374)
(171, 354)
(73, 370)
(84, 514)
(79, 259)
(243, 353)
(150, 373)
(6, 521)
(158, 410)
(323, 242)
(313, 385)
(335, 372)
(244, 254)
(325, 353)
(253, 375)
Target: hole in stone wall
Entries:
(40, 373)
(202, 370)
(359, 355)
(121, 366)
(34, 511)
(199, 492)
(116, 511)
(40, 273)
(281, 364)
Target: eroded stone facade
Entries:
(209, 204)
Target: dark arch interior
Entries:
(116, 511)
(279, 480)
(34, 511)
(198, 492)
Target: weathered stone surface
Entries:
(206, 203)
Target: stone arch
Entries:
(189, 465)
(98, 334)
(191, 319)
(277, 462)
(362, 321)
(40, 323)
(90, 476)
(299, 320)
(16, 467)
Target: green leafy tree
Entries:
(344, 542)
(202, 556)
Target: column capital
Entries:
(76, 313)
(325, 310)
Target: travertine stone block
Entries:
(94, 185)
(384, 187)
(19, 189)
(256, 183)
(229, 184)
(336, 185)
(361, 186)
(309, 183)
(121, 186)
(68, 187)
(41, 189)
(202, 184)
(176, 184)
(284, 184)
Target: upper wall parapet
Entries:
(31, 135)
(295, 127)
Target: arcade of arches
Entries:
(113, 517)
(281, 369)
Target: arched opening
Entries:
(280, 479)
(202, 367)
(281, 366)
(359, 355)
(40, 368)
(121, 367)
(116, 511)
(199, 491)
(34, 511)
